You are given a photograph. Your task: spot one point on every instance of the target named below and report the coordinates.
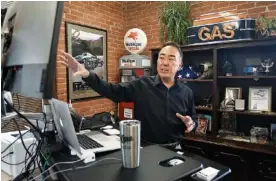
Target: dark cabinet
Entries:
(245, 165)
(236, 162)
(267, 170)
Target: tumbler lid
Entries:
(129, 122)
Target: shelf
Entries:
(252, 113)
(226, 44)
(203, 108)
(247, 77)
(263, 148)
(197, 80)
(229, 44)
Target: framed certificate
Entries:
(259, 99)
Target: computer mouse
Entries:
(175, 162)
(107, 127)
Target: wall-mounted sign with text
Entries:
(135, 40)
(230, 30)
(128, 63)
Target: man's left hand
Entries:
(187, 120)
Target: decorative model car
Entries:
(89, 60)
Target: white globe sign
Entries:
(135, 40)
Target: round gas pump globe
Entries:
(135, 40)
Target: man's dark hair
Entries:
(175, 45)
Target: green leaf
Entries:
(175, 19)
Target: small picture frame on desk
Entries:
(259, 99)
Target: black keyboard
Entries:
(87, 143)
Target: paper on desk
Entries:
(112, 131)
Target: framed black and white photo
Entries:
(88, 46)
(259, 99)
(231, 94)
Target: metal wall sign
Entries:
(224, 31)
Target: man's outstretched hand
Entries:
(187, 120)
(74, 65)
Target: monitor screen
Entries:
(30, 36)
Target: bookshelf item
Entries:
(259, 99)
(239, 104)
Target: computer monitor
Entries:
(29, 47)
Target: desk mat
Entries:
(149, 169)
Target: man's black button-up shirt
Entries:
(155, 105)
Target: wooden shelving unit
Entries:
(252, 113)
(196, 80)
(247, 77)
(215, 52)
(263, 148)
(204, 109)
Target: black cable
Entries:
(32, 151)
(40, 144)
(6, 124)
(38, 164)
(13, 142)
(21, 137)
(25, 160)
(32, 162)
(27, 172)
(7, 154)
(22, 116)
(12, 163)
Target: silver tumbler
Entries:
(130, 131)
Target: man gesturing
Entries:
(163, 104)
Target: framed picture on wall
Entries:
(88, 46)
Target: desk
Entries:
(64, 155)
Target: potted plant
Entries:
(266, 27)
(174, 20)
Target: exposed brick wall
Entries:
(118, 17)
(103, 15)
(254, 8)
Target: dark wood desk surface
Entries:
(64, 155)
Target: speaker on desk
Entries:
(239, 104)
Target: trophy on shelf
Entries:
(227, 68)
(267, 64)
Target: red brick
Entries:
(246, 6)
(77, 13)
(271, 8)
(222, 4)
(264, 3)
(263, 14)
(254, 15)
(232, 3)
(61, 80)
(272, 14)
(226, 8)
(66, 10)
(61, 91)
(256, 10)
(71, 17)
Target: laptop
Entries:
(83, 141)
